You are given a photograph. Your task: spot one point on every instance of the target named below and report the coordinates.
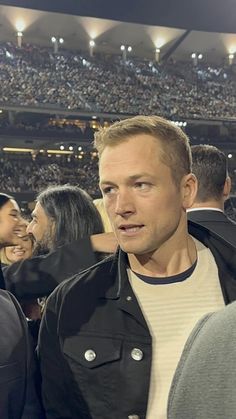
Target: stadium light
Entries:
(20, 26)
(231, 58)
(196, 57)
(124, 50)
(157, 54)
(56, 41)
(19, 36)
(91, 47)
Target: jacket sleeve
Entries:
(38, 276)
(54, 390)
(32, 406)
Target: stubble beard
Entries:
(44, 246)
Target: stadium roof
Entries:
(204, 15)
(169, 25)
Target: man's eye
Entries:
(142, 185)
(108, 190)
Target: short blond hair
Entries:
(175, 143)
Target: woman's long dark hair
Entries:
(73, 212)
(4, 198)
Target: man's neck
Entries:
(165, 264)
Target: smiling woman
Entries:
(9, 220)
(23, 250)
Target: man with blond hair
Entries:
(111, 337)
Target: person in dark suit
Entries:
(18, 398)
(214, 184)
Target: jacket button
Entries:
(90, 355)
(133, 417)
(137, 355)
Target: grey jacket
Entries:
(204, 385)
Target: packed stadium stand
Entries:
(34, 76)
(54, 99)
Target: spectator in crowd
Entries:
(23, 250)
(214, 184)
(18, 398)
(118, 329)
(67, 225)
(204, 382)
(9, 224)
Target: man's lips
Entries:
(130, 228)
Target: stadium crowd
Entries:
(23, 174)
(26, 173)
(34, 76)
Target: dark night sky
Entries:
(204, 15)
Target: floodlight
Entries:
(20, 25)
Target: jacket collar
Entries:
(108, 280)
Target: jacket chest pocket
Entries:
(92, 352)
(94, 363)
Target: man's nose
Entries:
(29, 228)
(124, 203)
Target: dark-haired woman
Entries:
(18, 398)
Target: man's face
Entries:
(41, 228)
(9, 223)
(146, 208)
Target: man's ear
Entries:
(227, 188)
(189, 187)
